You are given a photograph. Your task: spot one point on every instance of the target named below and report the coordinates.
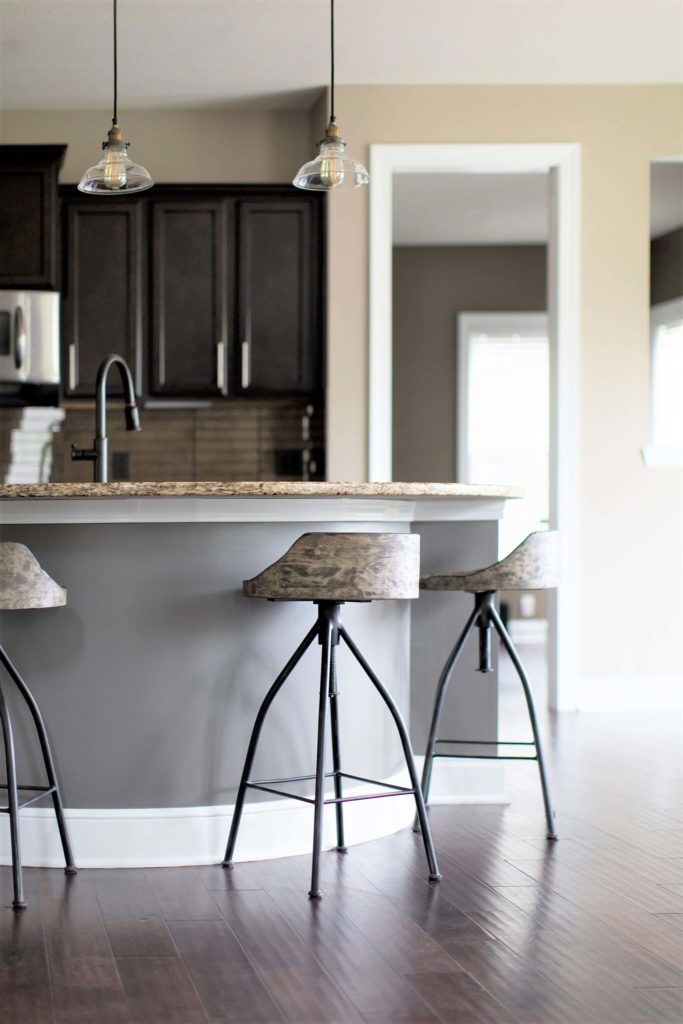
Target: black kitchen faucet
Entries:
(98, 454)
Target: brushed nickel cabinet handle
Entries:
(221, 381)
(72, 367)
(246, 363)
(19, 337)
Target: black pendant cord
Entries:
(333, 116)
(115, 119)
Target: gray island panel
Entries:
(150, 677)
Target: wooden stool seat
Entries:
(343, 567)
(23, 584)
(532, 565)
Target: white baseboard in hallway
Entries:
(173, 836)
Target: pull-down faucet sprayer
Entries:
(98, 454)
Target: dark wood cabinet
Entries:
(29, 227)
(103, 290)
(278, 311)
(207, 291)
(189, 298)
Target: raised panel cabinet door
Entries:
(102, 309)
(29, 223)
(279, 331)
(189, 298)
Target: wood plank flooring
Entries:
(518, 932)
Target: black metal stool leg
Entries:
(434, 874)
(545, 785)
(441, 691)
(256, 732)
(326, 630)
(13, 805)
(336, 753)
(70, 868)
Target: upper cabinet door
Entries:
(279, 330)
(29, 251)
(189, 298)
(102, 292)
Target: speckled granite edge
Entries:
(251, 489)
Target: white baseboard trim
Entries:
(629, 693)
(175, 836)
(528, 631)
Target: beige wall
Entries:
(631, 525)
(432, 284)
(175, 145)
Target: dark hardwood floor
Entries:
(518, 932)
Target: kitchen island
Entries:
(150, 678)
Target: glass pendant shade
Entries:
(332, 168)
(115, 172)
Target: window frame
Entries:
(523, 322)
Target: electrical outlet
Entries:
(120, 465)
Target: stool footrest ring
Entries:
(487, 757)
(37, 789)
(267, 786)
(40, 791)
(491, 743)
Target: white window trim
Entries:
(658, 456)
(482, 323)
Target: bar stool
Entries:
(330, 569)
(533, 565)
(24, 585)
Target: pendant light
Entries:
(331, 168)
(115, 173)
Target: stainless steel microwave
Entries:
(29, 348)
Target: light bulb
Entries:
(114, 170)
(331, 164)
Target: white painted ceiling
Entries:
(274, 53)
(503, 209)
(470, 209)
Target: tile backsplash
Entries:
(241, 440)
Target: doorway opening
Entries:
(665, 448)
(397, 168)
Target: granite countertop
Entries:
(251, 489)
